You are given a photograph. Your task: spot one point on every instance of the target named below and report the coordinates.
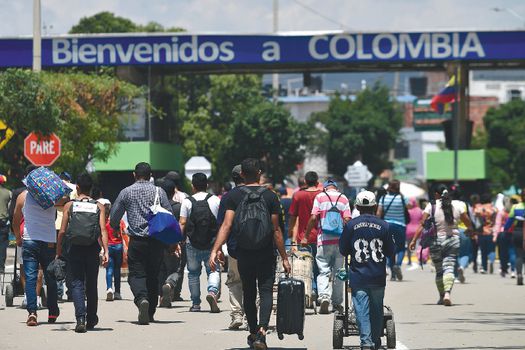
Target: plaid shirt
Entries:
(136, 201)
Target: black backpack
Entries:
(84, 222)
(252, 224)
(201, 227)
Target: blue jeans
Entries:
(329, 260)
(114, 265)
(37, 253)
(507, 253)
(488, 250)
(465, 250)
(368, 306)
(399, 232)
(196, 258)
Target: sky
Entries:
(255, 16)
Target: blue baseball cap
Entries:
(330, 183)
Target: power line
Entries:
(314, 11)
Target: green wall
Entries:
(161, 156)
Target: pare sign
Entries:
(42, 150)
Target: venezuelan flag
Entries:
(447, 95)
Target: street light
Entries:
(511, 11)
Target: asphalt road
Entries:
(488, 313)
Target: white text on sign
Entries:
(43, 147)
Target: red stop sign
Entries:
(42, 150)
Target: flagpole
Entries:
(455, 124)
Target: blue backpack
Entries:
(332, 223)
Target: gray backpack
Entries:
(84, 222)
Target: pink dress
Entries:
(416, 214)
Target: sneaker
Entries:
(236, 324)
(513, 275)
(32, 320)
(440, 301)
(177, 298)
(109, 295)
(323, 306)
(397, 271)
(143, 312)
(251, 340)
(211, 298)
(260, 342)
(117, 296)
(482, 271)
(393, 278)
(520, 280)
(338, 308)
(52, 318)
(91, 323)
(195, 308)
(81, 325)
(491, 268)
(165, 299)
(461, 275)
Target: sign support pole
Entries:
(37, 37)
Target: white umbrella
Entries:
(410, 190)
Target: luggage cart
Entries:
(345, 324)
(302, 261)
(13, 287)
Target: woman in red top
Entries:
(116, 247)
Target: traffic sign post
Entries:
(42, 150)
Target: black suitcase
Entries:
(290, 307)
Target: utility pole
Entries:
(37, 37)
(275, 76)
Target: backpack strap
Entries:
(208, 196)
(261, 190)
(330, 199)
(389, 204)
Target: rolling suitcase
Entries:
(290, 307)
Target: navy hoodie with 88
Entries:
(367, 242)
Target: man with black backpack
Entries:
(252, 216)
(84, 225)
(198, 221)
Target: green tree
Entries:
(270, 133)
(364, 129)
(505, 144)
(82, 109)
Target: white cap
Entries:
(365, 199)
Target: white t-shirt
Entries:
(458, 208)
(213, 202)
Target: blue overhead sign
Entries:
(185, 49)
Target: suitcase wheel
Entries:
(300, 336)
(280, 336)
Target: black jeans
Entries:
(83, 268)
(517, 240)
(257, 269)
(172, 271)
(144, 259)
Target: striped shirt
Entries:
(321, 206)
(393, 206)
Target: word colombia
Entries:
(264, 49)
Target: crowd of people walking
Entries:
(243, 230)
